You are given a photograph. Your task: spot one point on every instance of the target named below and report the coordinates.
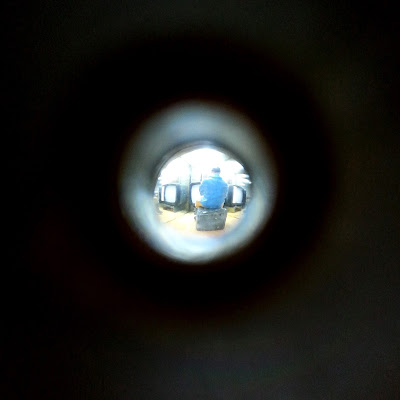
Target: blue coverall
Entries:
(213, 192)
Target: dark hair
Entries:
(216, 170)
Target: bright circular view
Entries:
(202, 192)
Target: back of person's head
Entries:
(216, 170)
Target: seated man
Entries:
(213, 191)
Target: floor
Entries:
(184, 222)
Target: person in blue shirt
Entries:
(213, 191)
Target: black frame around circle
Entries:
(121, 90)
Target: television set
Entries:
(194, 192)
(236, 197)
(172, 195)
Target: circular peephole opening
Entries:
(197, 182)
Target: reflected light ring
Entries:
(180, 126)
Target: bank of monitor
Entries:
(194, 192)
(172, 195)
(236, 196)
